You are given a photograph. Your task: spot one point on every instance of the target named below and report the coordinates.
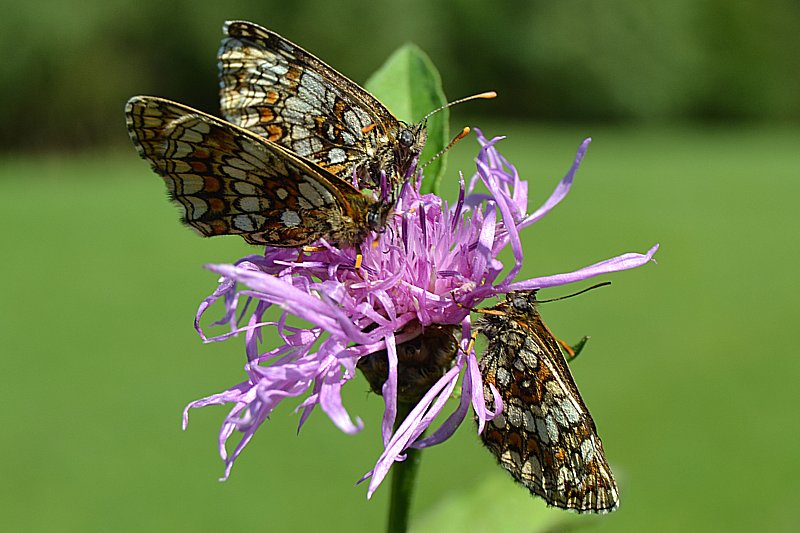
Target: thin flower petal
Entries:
(405, 433)
(390, 390)
(615, 264)
(561, 189)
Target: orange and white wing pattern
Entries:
(545, 437)
(229, 181)
(279, 91)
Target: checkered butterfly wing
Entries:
(276, 89)
(229, 181)
(545, 437)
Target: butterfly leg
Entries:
(472, 339)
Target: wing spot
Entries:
(298, 105)
(532, 469)
(190, 183)
(240, 163)
(570, 411)
(529, 359)
(217, 205)
(191, 136)
(587, 450)
(300, 132)
(352, 121)
(552, 429)
(266, 114)
(274, 132)
(180, 149)
(250, 204)
(336, 155)
(311, 194)
(541, 430)
(290, 219)
(514, 414)
(195, 207)
(292, 73)
(279, 69)
(271, 97)
(244, 188)
(528, 421)
(243, 222)
(325, 193)
(234, 172)
(211, 184)
(503, 378)
(219, 227)
(256, 161)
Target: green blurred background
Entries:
(694, 107)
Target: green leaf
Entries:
(410, 86)
(496, 503)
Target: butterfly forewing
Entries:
(230, 181)
(279, 91)
(545, 437)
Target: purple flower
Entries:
(409, 302)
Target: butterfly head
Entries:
(413, 137)
(410, 142)
(377, 214)
(521, 302)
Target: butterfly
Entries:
(276, 89)
(290, 163)
(545, 437)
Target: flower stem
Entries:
(404, 474)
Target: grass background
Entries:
(691, 373)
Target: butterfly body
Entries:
(545, 437)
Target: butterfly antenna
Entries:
(487, 96)
(457, 138)
(596, 286)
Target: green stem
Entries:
(404, 474)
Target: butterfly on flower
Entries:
(304, 153)
(545, 437)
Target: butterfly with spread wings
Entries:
(545, 437)
(290, 164)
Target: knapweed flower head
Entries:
(403, 317)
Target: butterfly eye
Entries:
(374, 220)
(405, 138)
